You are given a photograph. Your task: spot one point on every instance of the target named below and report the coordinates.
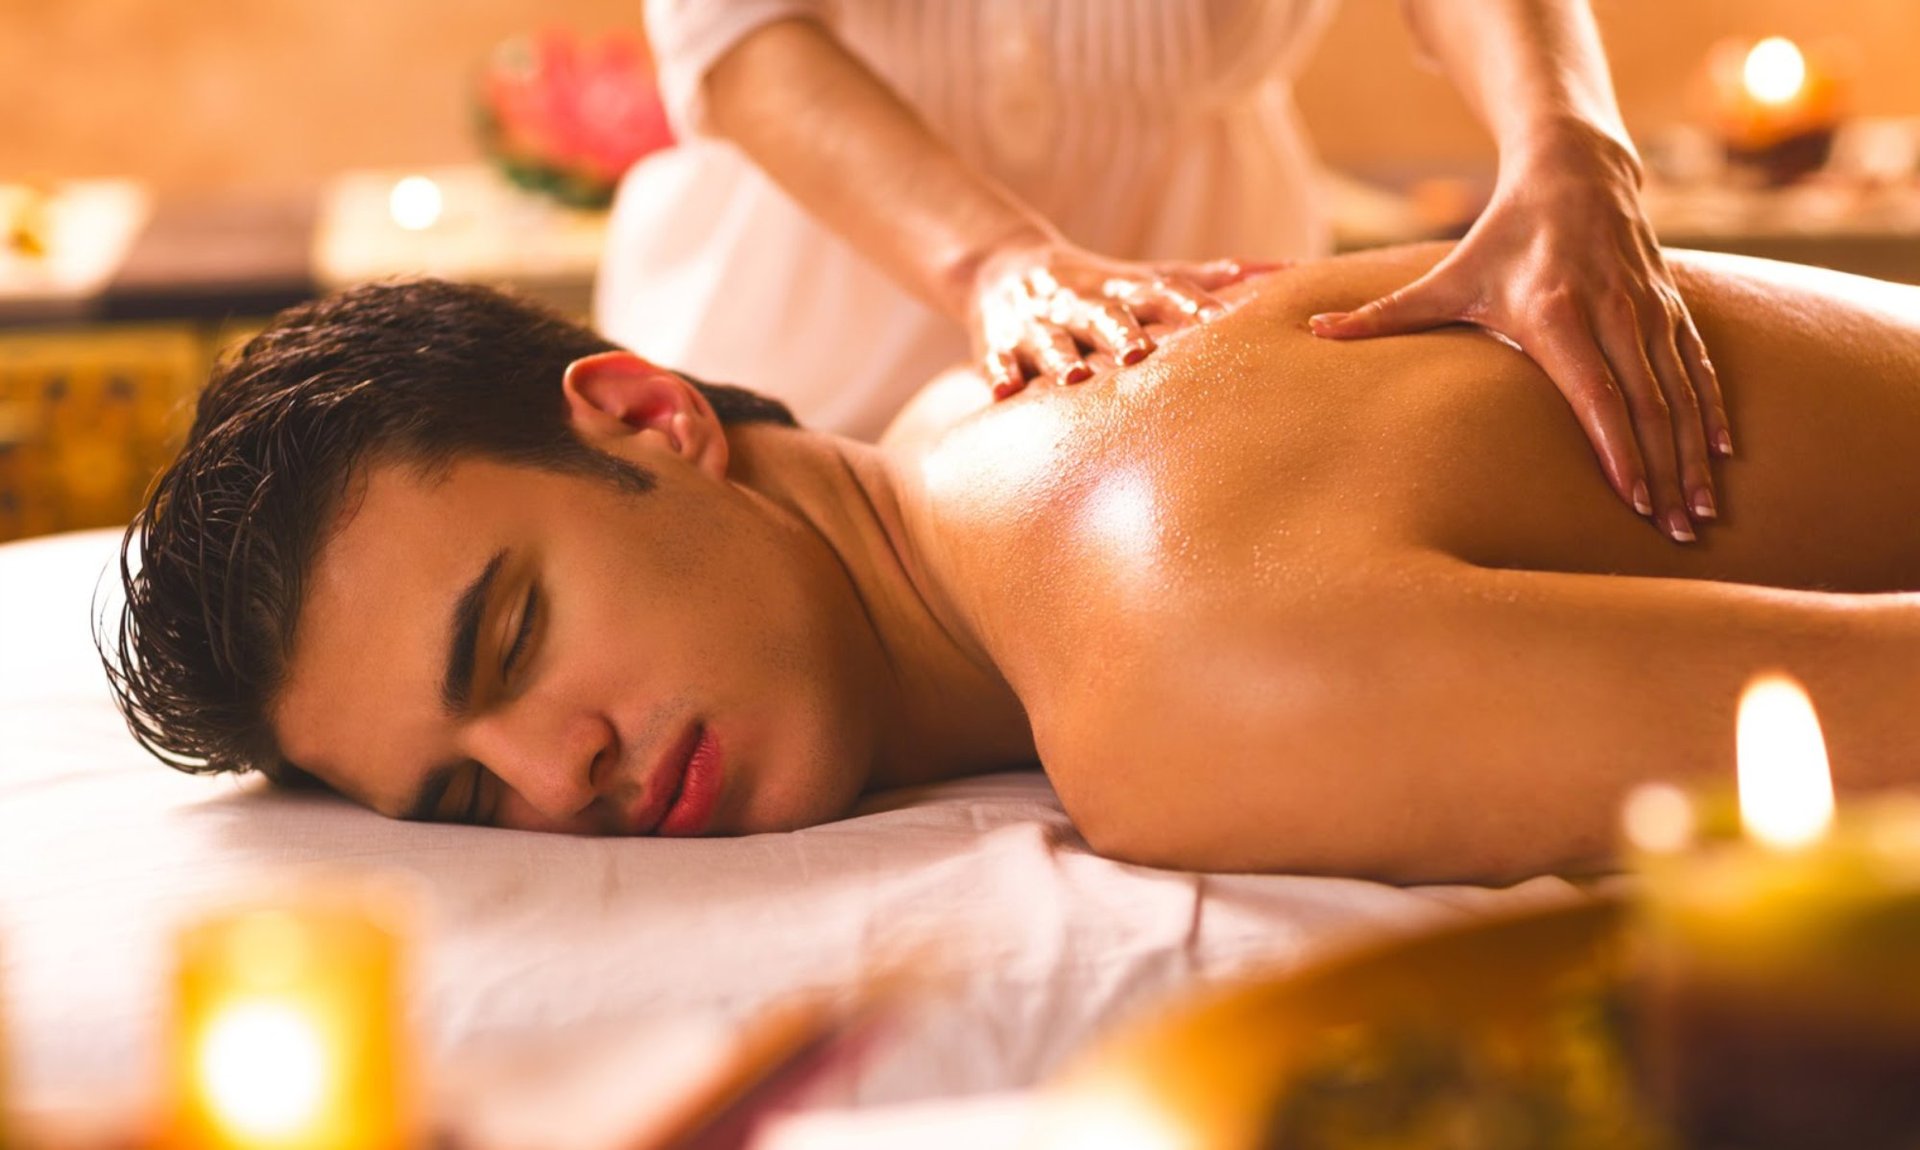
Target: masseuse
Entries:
(867, 187)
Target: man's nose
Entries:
(552, 757)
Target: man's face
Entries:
(681, 661)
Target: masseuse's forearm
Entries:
(844, 145)
(1530, 69)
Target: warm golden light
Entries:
(1659, 818)
(1775, 71)
(1115, 1119)
(264, 1067)
(1786, 789)
(416, 203)
(287, 1027)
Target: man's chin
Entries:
(810, 806)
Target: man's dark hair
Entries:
(421, 372)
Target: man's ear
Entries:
(618, 401)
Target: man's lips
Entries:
(699, 793)
(663, 782)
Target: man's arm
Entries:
(1450, 722)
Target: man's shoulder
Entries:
(938, 406)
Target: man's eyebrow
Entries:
(456, 686)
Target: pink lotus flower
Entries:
(569, 116)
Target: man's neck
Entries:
(946, 709)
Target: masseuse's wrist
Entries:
(981, 263)
(1555, 146)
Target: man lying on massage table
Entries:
(1262, 602)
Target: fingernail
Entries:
(1135, 352)
(1326, 319)
(1078, 373)
(1004, 389)
(1723, 443)
(1703, 503)
(1678, 527)
(1641, 502)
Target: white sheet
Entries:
(102, 850)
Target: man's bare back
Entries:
(1274, 601)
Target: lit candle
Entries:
(415, 203)
(287, 1030)
(1780, 981)
(1774, 105)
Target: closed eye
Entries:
(519, 644)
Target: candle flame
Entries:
(263, 1066)
(1786, 788)
(416, 203)
(1775, 71)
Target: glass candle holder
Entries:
(1774, 996)
(288, 1030)
(1775, 106)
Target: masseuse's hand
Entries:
(1040, 311)
(1564, 265)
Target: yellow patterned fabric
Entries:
(88, 416)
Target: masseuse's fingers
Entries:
(1052, 352)
(1653, 415)
(1173, 300)
(1706, 385)
(1101, 361)
(1565, 350)
(1102, 325)
(1002, 371)
(1689, 424)
(1040, 310)
(1425, 303)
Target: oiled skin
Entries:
(1277, 602)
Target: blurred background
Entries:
(222, 94)
(170, 173)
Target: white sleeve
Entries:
(689, 37)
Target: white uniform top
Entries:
(1143, 129)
